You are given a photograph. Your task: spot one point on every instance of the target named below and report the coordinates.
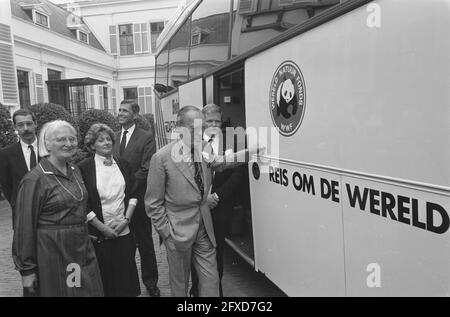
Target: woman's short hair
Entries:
(94, 132)
(47, 130)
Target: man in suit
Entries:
(224, 190)
(177, 200)
(19, 158)
(137, 147)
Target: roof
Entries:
(86, 81)
(58, 18)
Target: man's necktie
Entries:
(198, 175)
(32, 157)
(123, 143)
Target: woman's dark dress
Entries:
(51, 235)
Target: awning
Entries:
(73, 82)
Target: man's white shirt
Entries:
(27, 151)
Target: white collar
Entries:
(25, 145)
(130, 129)
(100, 159)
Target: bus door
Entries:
(229, 95)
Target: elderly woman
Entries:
(51, 246)
(112, 200)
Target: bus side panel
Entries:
(390, 248)
(377, 99)
(377, 104)
(169, 108)
(298, 235)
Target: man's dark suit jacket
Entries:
(12, 169)
(226, 185)
(88, 171)
(138, 153)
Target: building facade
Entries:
(82, 55)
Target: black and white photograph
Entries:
(243, 150)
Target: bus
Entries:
(353, 197)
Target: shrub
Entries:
(7, 133)
(46, 112)
(142, 123)
(151, 120)
(90, 117)
(85, 121)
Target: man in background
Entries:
(137, 147)
(19, 158)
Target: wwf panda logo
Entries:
(287, 98)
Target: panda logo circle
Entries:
(287, 98)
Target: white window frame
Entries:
(34, 12)
(199, 38)
(79, 37)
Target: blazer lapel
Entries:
(133, 140)
(183, 167)
(206, 177)
(116, 146)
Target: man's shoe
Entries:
(154, 291)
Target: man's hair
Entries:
(182, 113)
(23, 112)
(211, 108)
(134, 105)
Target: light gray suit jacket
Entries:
(173, 199)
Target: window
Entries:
(196, 39)
(41, 19)
(53, 74)
(105, 98)
(56, 93)
(24, 88)
(126, 39)
(130, 93)
(82, 37)
(155, 30)
(145, 99)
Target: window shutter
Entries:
(87, 98)
(113, 39)
(247, 6)
(148, 100)
(145, 99)
(1, 89)
(144, 33)
(7, 68)
(114, 99)
(39, 83)
(92, 96)
(137, 38)
(141, 98)
(100, 96)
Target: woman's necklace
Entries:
(79, 186)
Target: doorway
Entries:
(230, 96)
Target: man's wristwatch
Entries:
(127, 220)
